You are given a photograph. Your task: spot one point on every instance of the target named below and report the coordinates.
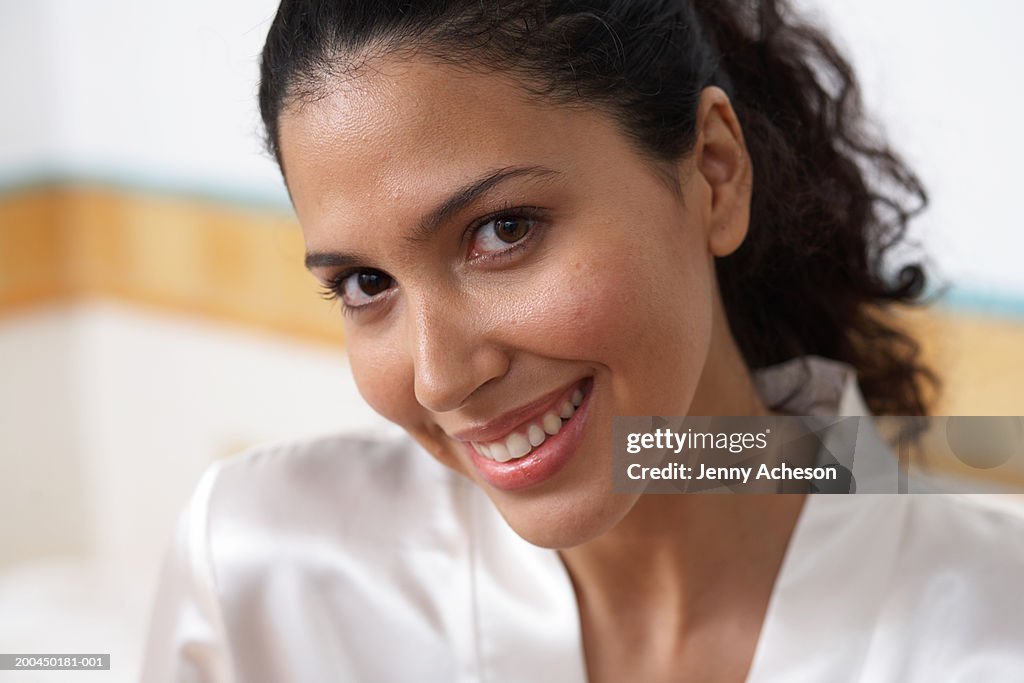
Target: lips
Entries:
(521, 441)
(538, 446)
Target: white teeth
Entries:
(536, 435)
(552, 423)
(517, 445)
(499, 452)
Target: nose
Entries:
(453, 352)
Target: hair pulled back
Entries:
(830, 199)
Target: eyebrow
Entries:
(433, 221)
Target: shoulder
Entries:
(340, 481)
(351, 461)
(360, 501)
(981, 536)
(329, 545)
(954, 605)
(912, 540)
(918, 587)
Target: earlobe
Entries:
(723, 162)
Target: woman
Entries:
(537, 216)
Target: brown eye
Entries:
(511, 230)
(499, 234)
(361, 287)
(373, 282)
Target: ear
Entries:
(721, 158)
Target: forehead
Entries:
(400, 133)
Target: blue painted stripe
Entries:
(275, 199)
(983, 301)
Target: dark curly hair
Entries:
(830, 200)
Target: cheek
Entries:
(642, 314)
(384, 379)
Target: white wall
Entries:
(146, 400)
(944, 80)
(152, 92)
(29, 116)
(43, 500)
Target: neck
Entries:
(690, 559)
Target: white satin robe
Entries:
(363, 559)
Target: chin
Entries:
(566, 523)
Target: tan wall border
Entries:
(183, 255)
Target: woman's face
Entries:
(515, 275)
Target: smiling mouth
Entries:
(523, 440)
